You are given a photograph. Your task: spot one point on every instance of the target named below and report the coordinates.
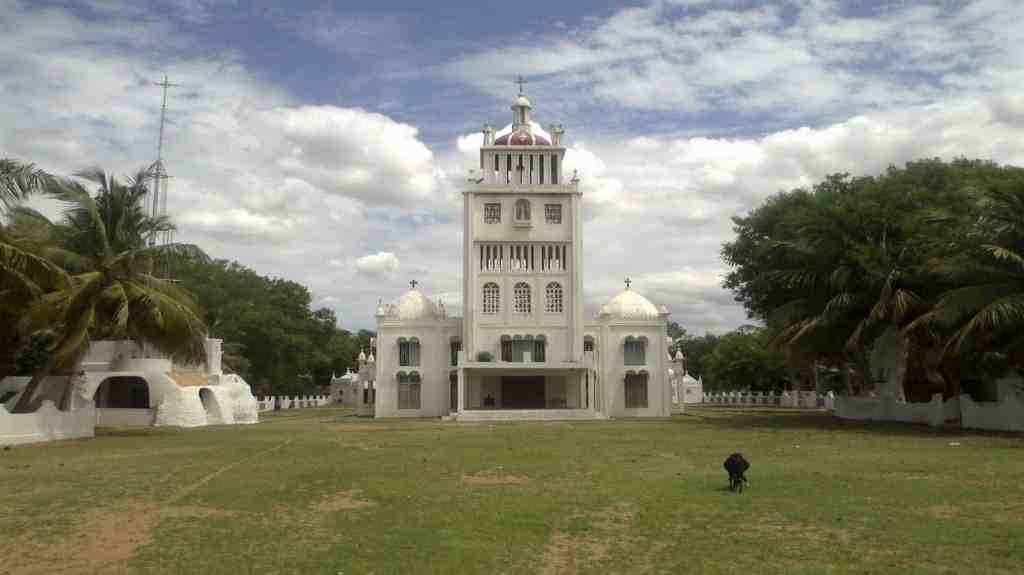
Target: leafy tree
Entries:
(831, 268)
(277, 343)
(675, 331)
(746, 359)
(697, 350)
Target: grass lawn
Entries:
(317, 491)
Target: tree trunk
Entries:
(25, 403)
(954, 386)
(847, 380)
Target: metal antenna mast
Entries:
(158, 201)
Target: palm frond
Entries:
(41, 272)
(81, 209)
(18, 180)
(1001, 316)
(140, 258)
(170, 325)
(1004, 254)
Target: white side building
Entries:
(523, 348)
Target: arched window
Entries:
(408, 351)
(492, 298)
(553, 298)
(636, 389)
(521, 295)
(408, 390)
(523, 210)
(635, 350)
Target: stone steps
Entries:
(527, 415)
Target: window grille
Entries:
(553, 299)
(553, 213)
(492, 213)
(521, 301)
(492, 298)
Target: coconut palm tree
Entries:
(986, 313)
(24, 274)
(18, 180)
(112, 291)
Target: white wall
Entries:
(610, 351)
(434, 368)
(46, 424)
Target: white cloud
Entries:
(797, 59)
(377, 264)
(345, 200)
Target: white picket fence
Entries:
(799, 400)
(293, 402)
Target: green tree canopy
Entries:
(831, 268)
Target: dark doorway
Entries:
(123, 392)
(453, 391)
(522, 392)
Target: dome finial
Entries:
(521, 107)
(520, 80)
(628, 282)
(413, 284)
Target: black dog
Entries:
(736, 465)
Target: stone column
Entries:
(462, 389)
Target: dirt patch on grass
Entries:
(609, 535)
(343, 501)
(492, 478)
(566, 554)
(943, 511)
(101, 540)
(779, 528)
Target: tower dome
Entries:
(629, 305)
(414, 305)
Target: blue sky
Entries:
(326, 142)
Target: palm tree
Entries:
(24, 274)
(853, 274)
(113, 292)
(986, 313)
(18, 180)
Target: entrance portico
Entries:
(501, 387)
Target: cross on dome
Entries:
(520, 80)
(628, 282)
(413, 284)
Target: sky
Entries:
(327, 142)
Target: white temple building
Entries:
(523, 349)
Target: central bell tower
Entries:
(522, 252)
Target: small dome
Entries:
(630, 305)
(414, 305)
(522, 137)
(522, 100)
